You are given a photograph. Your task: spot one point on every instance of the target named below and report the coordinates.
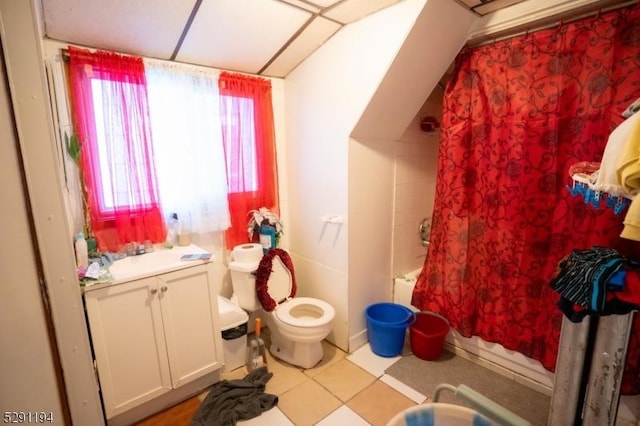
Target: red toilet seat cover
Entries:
(264, 272)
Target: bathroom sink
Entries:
(160, 260)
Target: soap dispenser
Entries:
(173, 228)
(82, 253)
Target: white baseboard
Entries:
(507, 363)
(527, 371)
(358, 340)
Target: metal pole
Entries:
(567, 383)
(607, 366)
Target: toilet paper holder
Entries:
(335, 219)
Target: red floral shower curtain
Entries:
(517, 114)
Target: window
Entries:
(240, 146)
(112, 153)
(186, 127)
(161, 138)
(249, 142)
(116, 159)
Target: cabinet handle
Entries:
(163, 288)
(154, 290)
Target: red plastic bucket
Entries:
(427, 335)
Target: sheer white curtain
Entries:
(187, 134)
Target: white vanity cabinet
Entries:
(154, 334)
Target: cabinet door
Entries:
(190, 310)
(128, 341)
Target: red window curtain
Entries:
(516, 115)
(249, 142)
(111, 119)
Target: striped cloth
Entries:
(583, 275)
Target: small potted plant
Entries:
(263, 217)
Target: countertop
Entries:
(160, 261)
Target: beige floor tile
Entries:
(285, 376)
(344, 379)
(332, 354)
(308, 403)
(238, 373)
(378, 403)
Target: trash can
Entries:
(233, 323)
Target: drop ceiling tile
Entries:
(309, 40)
(240, 35)
(353, 10)
(325, 3)
(144, 27)
(303, 4)
(494, 5)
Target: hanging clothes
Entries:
(628, 174)
(608, 176)
(598, 182)
(596, 281)
(584, 276)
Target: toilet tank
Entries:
(243, 281)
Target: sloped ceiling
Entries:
(484, 7)
(262, 37)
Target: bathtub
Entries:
(491, 355)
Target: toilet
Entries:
(297, 324)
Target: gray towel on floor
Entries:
(229, 401)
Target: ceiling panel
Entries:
(484, 7)
(228, 34)
(304, 5)
(269, 37)
(494, 5)
(309, 40)
(327, 3)
(144, 27)
(349, 11)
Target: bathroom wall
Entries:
(416, 155)
(325, 96)
(28, 358)
(347, 104)
(27, 365)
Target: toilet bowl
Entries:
(297, 325)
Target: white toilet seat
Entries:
(312, 312)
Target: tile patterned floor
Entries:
(342, 390)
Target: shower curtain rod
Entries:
(551, 21)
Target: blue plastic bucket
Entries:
(386, 327)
